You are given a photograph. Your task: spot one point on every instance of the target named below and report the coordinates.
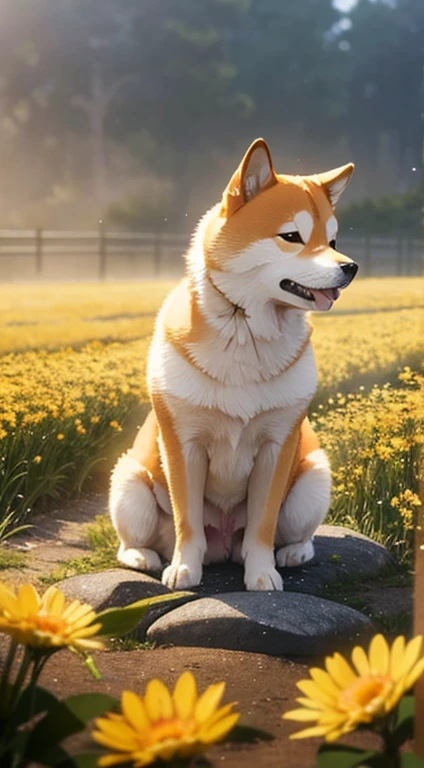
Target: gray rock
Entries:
(275, 623)
(119, 587)
(339, 554)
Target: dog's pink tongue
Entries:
(324, 299)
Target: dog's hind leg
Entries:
(303, 511)
(137, 518)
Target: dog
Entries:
(226, 465)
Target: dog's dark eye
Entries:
(333, 244)
(291, 237)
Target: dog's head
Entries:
(279, 233)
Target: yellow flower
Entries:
(345, 696)
(162, 725)
(37, 459)
(60, 436)
(115, 425)
(46, 621)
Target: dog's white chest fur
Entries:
(233, 422)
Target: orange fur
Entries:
(176, 469)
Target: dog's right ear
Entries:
(254, 174)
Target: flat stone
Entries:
(275, 623)
(119, 587)
(339, 554)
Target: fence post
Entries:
(399, 256)
(38, 252)
(367, 256)
(419, 621)
(157, 253)
(102, 252)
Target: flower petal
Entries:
(106, 760)
(314, 692)
(311, 704)
(307, 733)
(325, 682)
(158, 701)
(113, 742)
(220, 713)
(70, 610)
(411, 655)
(185, 695)
(341, 672)
(8, 601)
(134, 711)
(379, 655)
(396, 656)
(208, 702)
(87, 644)
(414, 674)
(301, 715)
(220, 729)
(120, 735)
(53, 601)
(29, 600)
(82, 620)
(84, 631)
(360, 661)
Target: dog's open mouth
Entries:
(323, 298)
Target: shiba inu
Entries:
(226, 464)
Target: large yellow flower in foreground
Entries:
(46, 621)
(162, 725)
(348, 695)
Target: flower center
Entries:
(54, 625)
(366, 693)
(170, 729)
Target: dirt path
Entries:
(55, 537)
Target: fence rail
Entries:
(29, 254)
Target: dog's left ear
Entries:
(335, 181)
(254, 174)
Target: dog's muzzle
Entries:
(349, 271)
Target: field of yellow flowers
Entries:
(72, 391)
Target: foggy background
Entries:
(135, 112)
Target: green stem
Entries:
(4, 681)
(20, 678)
(391, 751)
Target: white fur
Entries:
(311, 494)
(331, 228)
(305, 224)
(137, 518)
(172, 374)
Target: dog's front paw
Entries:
(181, 576)
(259, 569)
(141, 559)
(265, 580)
(295, 554)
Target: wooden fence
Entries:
(99, 255)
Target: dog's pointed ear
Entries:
(254, 174)
(335, 181)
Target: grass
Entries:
(103, 542)
(353, 593)
(11, 559)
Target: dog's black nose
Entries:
(350, 269)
